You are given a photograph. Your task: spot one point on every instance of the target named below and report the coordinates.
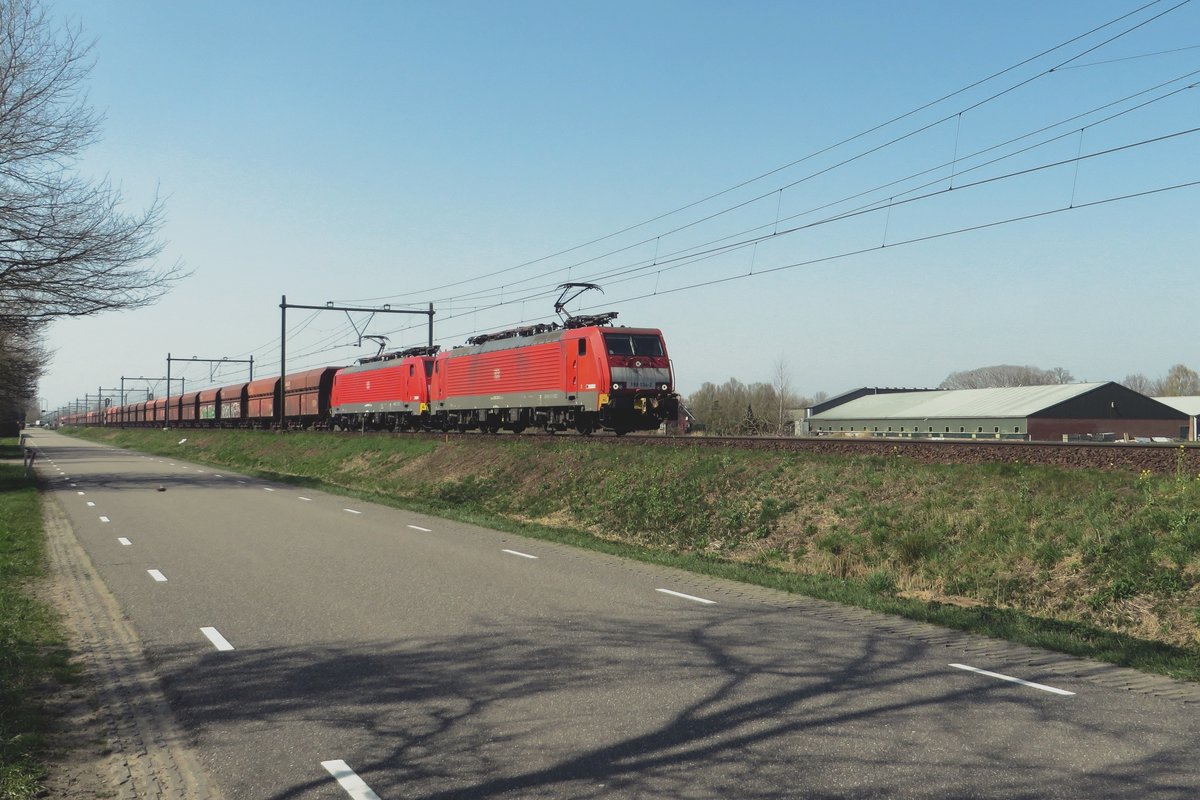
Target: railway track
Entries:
(1160, 458)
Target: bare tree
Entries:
(1139, 383)
(1002, 375)
(1059, 375)
(66, 248)
(782, 383)
(1180, 381)
(720, 408)
(21, 362)
(731, 407)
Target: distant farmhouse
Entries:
(1057, 412)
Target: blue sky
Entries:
(467, 153)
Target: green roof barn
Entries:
(1041, 413)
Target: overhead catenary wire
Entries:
(702, 248)
(834, 146)
(1133, 58)
(599, 276)
(667, 263)
(664, 264)
(695, 253)
(874, 249)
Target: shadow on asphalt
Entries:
(670, 713)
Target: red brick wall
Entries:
(1051, 430)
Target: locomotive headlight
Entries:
(616, 385)
(665, 387)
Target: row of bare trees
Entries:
(1005, 375)
(1179, 381)
(66, 247)
(736, 408)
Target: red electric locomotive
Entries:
(587, 376)
(386, 392)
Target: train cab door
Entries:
(576, 353)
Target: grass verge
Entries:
(33, 651)
(1098, 564)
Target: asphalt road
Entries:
(316, 646)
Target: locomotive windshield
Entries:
(626, 344)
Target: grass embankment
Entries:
(1099, 564)
(32, 649)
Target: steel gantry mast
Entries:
(284, 305)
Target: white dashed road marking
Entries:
(105, 519)
(355, 786)
(351, 511)
(687, 597)
(518, 553)
(306, 499)
(419, 528)
(125, 542)
(1011, 679)
(214, 636)
(158, 576)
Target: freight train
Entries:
(585, 375)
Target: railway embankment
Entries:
(1096, 562)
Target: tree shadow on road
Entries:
(733, 707)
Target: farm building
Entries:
(1041, 413)
(1188, 404)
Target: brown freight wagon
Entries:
(232, 403)
(262, 402)
(188, 408)
(306, 397)
(156, 412)
(208, 407)
(183, 408)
